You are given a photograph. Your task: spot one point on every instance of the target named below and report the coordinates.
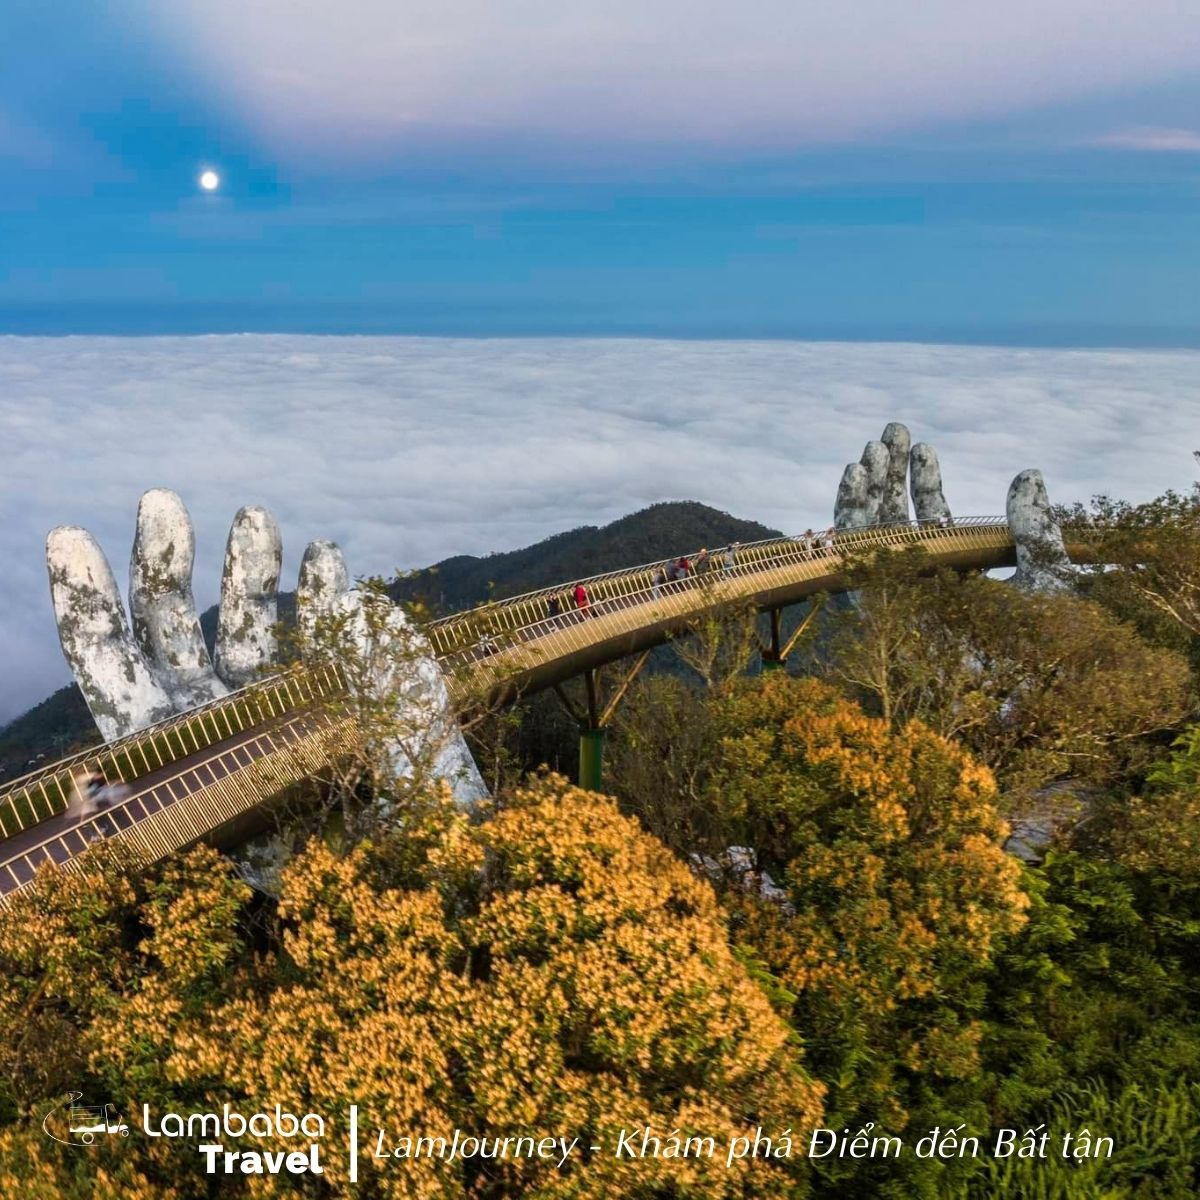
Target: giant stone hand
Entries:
(872, 490)
(136, 673)
(871, 493)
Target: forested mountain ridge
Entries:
(61, 722)
(658, 532)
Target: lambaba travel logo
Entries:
(83, 1122)
(77, 1124)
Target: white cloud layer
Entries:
(408, 450)
(347, 78)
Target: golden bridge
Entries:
(204, 774)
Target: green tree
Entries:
(1147, 558)
(1038, 687)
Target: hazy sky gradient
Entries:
(347, 79)
(409, 450)
(1023, 172)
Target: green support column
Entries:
(772, 656)
(591, 759)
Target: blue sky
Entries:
(1023, 174)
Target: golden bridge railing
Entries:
(464, 640)
(46, 792)
(166, 814)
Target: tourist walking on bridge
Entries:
(91, 795)
(581, 599)
(702, 561)
(87, 794)
(731, 556)
(657, 580)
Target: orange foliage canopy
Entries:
(888, 848)
(551, 970)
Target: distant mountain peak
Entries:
(659, 531)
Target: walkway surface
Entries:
(158, 795)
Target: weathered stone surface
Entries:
(893, 507)
(161, 605)
(852, 510)
(323, 579)
(401, 664)
(121, 690)
(246, 641)
(1042, 562)
(925, 481)
(876, 461)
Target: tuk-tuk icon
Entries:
(87, 1120)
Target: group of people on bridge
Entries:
(573, 604)
(671, 575)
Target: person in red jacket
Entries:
(581, 599)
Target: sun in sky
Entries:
(209, 180)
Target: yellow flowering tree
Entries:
(550, 970)
(886, 847)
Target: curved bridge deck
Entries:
(517, 647)
(198, 776)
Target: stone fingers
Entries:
(925, 481)
(246, 641)
(876, 461)
(852, 509)
(323, 580)
(1042, 562)
(121, 690)
(874, 490)
(161, 605)
(893, 507)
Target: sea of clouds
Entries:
(409, 450)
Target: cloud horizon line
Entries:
(1151, 138)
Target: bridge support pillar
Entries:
(593, 723)
(775, 654)
(591, 758)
